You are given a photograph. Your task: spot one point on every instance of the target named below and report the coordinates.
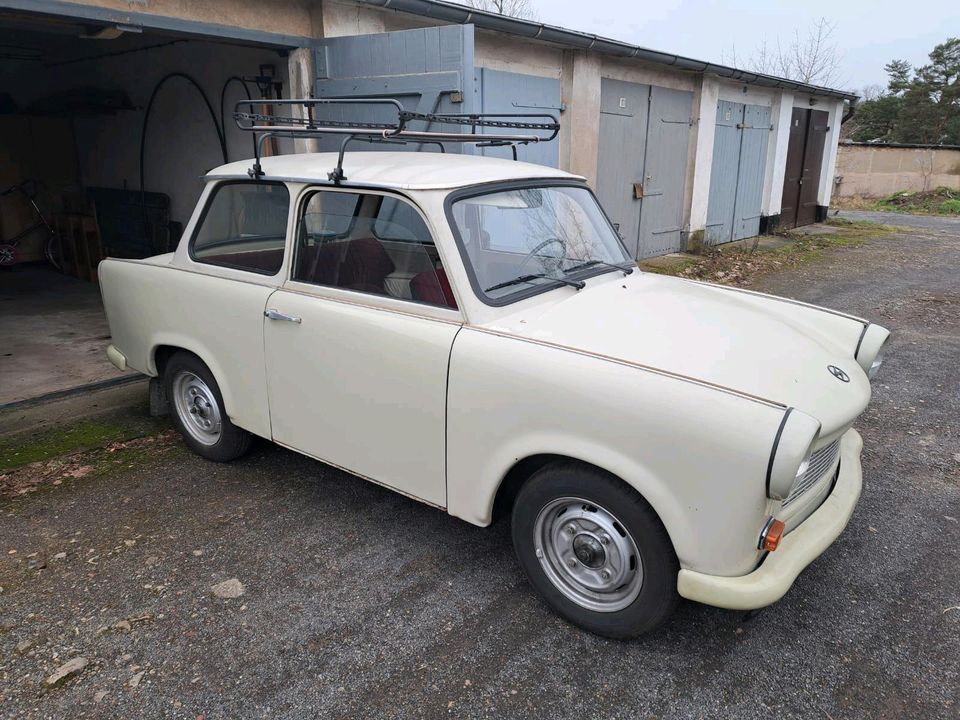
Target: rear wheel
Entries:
(198, 410)
(595, 550)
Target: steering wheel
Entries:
(539, 247)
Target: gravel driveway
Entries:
(357, 602)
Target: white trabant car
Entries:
(470, 332)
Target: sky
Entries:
(870, 33)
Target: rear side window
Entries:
(244, 227)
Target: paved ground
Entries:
(927, 223)
(48, 344)
(361, 603)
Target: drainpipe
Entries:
(851, 111)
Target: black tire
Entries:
(232, 441)
(657, 596)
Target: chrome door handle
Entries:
(277, 315)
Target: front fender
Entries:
(630, 468)
(698, 455)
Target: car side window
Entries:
(244, 226)
(369, 243)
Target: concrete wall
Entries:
(872, 171)
(288, 17)
(781, 112)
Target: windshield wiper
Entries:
(578, 284)
(624, 268)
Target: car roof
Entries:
(401, 170)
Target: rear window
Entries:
(244, 226)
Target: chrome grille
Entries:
(820, 462)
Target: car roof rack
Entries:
(297, 118)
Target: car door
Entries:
(358, 341)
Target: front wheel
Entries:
(198, 410)
(595, 550)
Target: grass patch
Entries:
(740, 263)
(942, 201)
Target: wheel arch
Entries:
(164, 349)
(674, 521)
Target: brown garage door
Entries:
(808, 135)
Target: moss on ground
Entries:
(84, 465)
(17, 451)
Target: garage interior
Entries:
(74, 95)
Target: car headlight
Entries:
(790, 455)
(869, 352)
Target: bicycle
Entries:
(9, 248)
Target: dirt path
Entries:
(360, 603)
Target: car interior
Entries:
(370, 243)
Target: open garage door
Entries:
(429, 70)
(736, 175)
(510, 92)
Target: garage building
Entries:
(103, 99)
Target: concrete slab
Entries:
(53, 333)
(816, 229)
(761, 242)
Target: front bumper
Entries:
(770, 582)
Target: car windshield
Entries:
(524, 240)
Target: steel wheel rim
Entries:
(197, 408)
(587, 554)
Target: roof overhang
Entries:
(453, 13)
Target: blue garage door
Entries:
(736, 175)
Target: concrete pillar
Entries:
(706, 119)
(580, 122)
(301, 72)
(781, 112)
(829, 167)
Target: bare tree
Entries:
(812, 57)
(872, 92)
(514, 8)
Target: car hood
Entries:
(749, 343)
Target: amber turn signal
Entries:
(771, 535)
